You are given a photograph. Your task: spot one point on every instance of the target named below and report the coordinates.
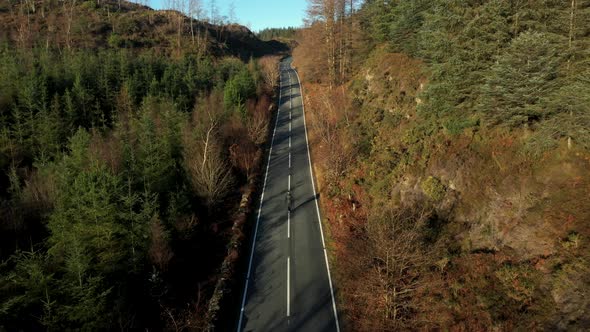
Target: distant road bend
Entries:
(288, 285)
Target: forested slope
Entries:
(452, 139)
(126, 166)
(121, 24)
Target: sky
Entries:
(257, 14)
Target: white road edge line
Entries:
(289, 208)
(317, 206)
(259, 212)
(288, 286)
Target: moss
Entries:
(434, 188)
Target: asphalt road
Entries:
(288, 285)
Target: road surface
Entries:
(288, 285)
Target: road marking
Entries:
(317, 206)
(290, 92)
(289, 208)
(288, 285)
(259, 212)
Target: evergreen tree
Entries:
(521, 79)
(28, 286)
(238, 89)
(71, 136)
(48, 131)
(155, 153)
(461, 44)
(83, 102)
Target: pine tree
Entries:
(48, 131)
(24, 113)
(522, 77)
(238, 89)
(461, 44)
(29, 286)
(82, 100)
(154, 154)
(136, 212)
(70, 115)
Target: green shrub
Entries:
(238, 89)
(229, 67)
(129, 26)
(89, 5)
(573, 241)
(115, 41)
(519, 283)
(456, 125)
(434, 188)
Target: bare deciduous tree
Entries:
(231, 12)
(69, 8)
(325, 11)
(325, 119)
(24, 22)
(257, 122)
(270, 70)
(195, 11)
(159, 252)
(392, 257)
(336, 17)
(214, 13)
(244, 156)
(180, 7)
(210, 175)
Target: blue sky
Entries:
(258, 14)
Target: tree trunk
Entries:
(341, 37)
(330, 41)
(571, 32)
(206, 148)
(179, 34)
(572, 23)
(349, 36)
(69, 19)
(192, 31)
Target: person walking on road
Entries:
(289, 201)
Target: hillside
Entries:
(451, 142)
(92, 24)
(129, 156)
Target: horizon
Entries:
(257, 15)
